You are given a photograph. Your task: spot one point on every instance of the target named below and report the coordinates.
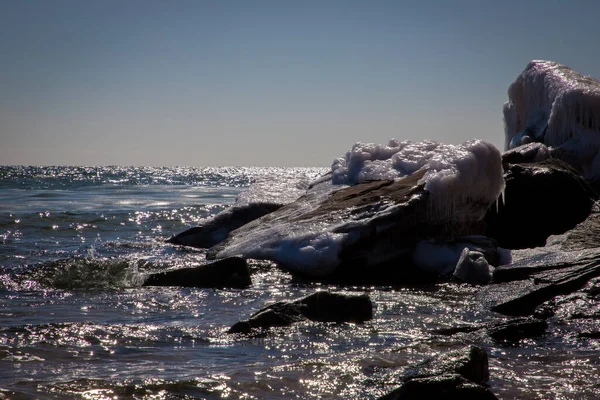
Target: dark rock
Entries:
(517, 329)
(548, 285)
(470, 362)
(442, 387)
(227, 273)
(218, 228)
(380, 223)
(527, 153)
(278, 314)
(320, 307)
(540, 199)
(586, 235)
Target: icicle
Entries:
(503, 200)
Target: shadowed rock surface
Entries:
(227, 273)
(540, 199)
(217, 229)
(442, 387)
(320, 306)
(458, 374)
(381, 222)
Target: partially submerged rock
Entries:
(438, 192)
(320, 306)
(216, 229)
(458, 374)
(441, 387)
(227, 273)
(540, 199)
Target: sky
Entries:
(267, 83)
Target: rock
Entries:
(517, 329)
(320, 307)
(552, 104)
(227, 273)
(540, 199)
(472, 267)
(527, 153)
(470, 362)
(546, 285)
(442, 387)
(218, 228)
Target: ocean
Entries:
(75, 322)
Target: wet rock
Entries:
(540, 199)
(546, 285)
(218, 228)
(442, 387)
(227, 273)
(470, 362)
(517, 329)
(320, 306)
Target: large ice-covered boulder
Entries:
(552, 104)
(379, 202)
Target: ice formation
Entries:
(472, 267)
(463, 180)
(552, 104)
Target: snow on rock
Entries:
(379, 202)
(472, 267)
(456, 175)
(552, 104)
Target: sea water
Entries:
(75, 322)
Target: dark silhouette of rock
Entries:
(227, 273)
(528, 153)
(218, 228)
(441, 387)
(540, 199)
(546, 285)
(320, 306)
(470, 362)
(517, 329)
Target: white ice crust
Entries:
(552, 104)
(464, 180)
(469, 173)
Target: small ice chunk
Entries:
(472, 267)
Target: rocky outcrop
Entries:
(320, 306)
(459, 374)
(227, 273)
(540, 199)
(217, 229)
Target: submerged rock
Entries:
(540, 199)
(320, 307)
(217, 229)
(227, 273)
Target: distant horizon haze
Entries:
(267, 83)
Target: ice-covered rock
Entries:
(400, 194)
(552, 104)
(472, 267)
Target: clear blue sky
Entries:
(277, 82)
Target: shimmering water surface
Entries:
(77, 242)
